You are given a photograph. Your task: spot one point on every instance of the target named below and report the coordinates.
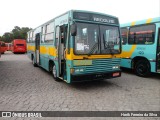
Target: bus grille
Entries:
(101, 65)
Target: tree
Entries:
(16, 33)
(20, 33)
(7, 37)
(24, 31)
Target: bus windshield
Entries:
(97, 39)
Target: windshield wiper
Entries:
(92, 49)
(110, 49)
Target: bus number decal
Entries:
(141, 52)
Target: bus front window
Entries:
(94, 39)
(110, 40)
(86, 38)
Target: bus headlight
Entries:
(76, 70)
(115, 67)
(79, 70)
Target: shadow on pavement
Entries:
(131, 72)
(93, 84)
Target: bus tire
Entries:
(142, 68)
(54, 73)
(33, 62)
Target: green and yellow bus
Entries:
(77, 46)
(141, 46)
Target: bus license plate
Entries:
(115, 74)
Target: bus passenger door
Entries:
(63, 37)
(158, 52)
(58, 56)
(37, 48)
(60, 45)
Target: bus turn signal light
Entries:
(72, 70)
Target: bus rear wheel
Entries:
(142, 68)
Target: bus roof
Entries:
(146, 21)
(85, 11)
(71, 11)
(19, 40)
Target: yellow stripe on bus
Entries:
(133, 23)
(48, 50)
(128, 54)
(43, 50)
(30, 47)
(149, 20)
(71, 56)
(53, 52)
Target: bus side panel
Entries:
(44, 61)
(68, 67)
(153, 65)
(143, 51)
(148, 52)
(126, 63)
(30, 50)
(47, 52)
(41, 60)
(29, 55)
(127, 55)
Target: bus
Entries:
(77, 46)
(8, 46)
(0, 48)
(141, 46)
(19, 46)
(3, 47)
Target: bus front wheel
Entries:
(142, 68)
(54, 73)
(33, 62)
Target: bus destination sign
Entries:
(99, 19)
(95, 17)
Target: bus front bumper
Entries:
(95, 76)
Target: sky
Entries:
(32, 13)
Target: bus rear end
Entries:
(19, 46)
(0, 48)
(3, 47)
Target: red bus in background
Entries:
(19, 46)
(0, 49)
(3, 47)
(8, 46)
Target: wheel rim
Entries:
(54, 71)
(142, 69)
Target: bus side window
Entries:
(142, 34)
(124, 34)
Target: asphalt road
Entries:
(27, 88)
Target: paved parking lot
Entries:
(27, 88)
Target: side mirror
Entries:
(73, 29)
